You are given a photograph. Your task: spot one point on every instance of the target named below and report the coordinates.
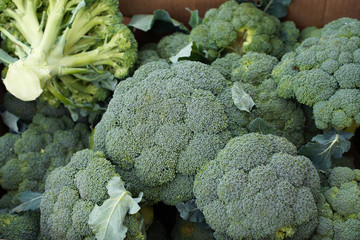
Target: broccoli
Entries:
(309, 32)
(71, 193)
(148, 53)
(239, 28)
(170, 45)
(23, 226)
(324, 73)
(28, 158)
(289, 35)
(253, 71)
(161, 125)
(69, 51)
(258, 188)
(24, 110)
(339, 206)
(185, 230)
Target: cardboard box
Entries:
(303, 12)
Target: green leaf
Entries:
(241, 99)
(159, 22)
(259, 125)
(183, 53)
(190, 212)
(107, 220)
(195, 19)
(30, 201)
(330, 144)
(6, 58)
(11, 121)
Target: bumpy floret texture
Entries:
(162, 125)
(289, 35)
(147, 53)
(339, 206)
(253, 72)
(71, 193)
(240, 28)
(27, 159)
(324, 73)
(170, 45)
(258, 188)
(23, 226)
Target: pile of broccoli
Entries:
(208, 124)
(27, 159)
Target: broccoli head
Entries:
(324, 73)
(71, 193)
(28, 158)
(339, 206)
(162, 125)
(258, 188)
(289, 35)
(239, 28)
(68, 51)
(253, 72)
(23, 226)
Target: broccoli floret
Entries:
(147, 53)
(67, 50)
(239, 28)
(253, 72)
(258, 188)
(339, 205)
(309, 32)
(170, 45)
(323, 73)
(289, 35)
(162, 125)
(48, 143)
(23, 226)
(185, 230)
(71, 193)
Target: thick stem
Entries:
(55, 16)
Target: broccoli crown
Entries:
(324, 73)
(258, 188)
(69, 56)
(162, 125)
(253, 72)
(28, 158)
(339, 206)
(186, 230)
(71, 193)
(23, 226)
(170, 45)
(240, 28)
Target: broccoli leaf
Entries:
(190, 212)
(259, 125)
(195, 19)
(11, 121)
(241, 99)
(325, 146)
(158, 22)
(183, 53)
(107, 220)
(6, 58)
(30, 201)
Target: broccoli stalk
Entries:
(72, 46)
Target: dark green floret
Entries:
(258, 188)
